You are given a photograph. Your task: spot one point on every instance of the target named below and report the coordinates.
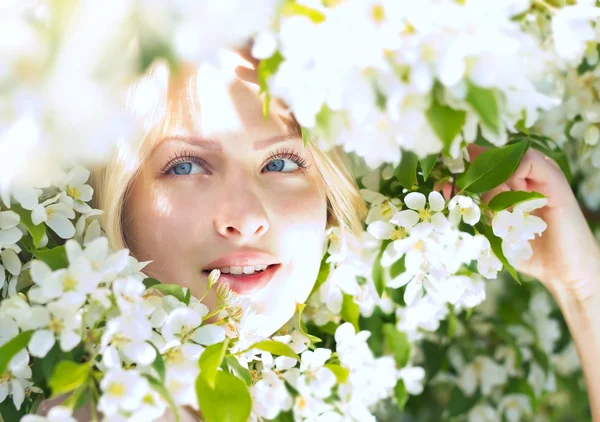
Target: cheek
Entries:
(163, 224)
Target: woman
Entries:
(216, 185)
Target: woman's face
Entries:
(226, 188)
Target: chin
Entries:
(278, 313)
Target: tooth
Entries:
(248, 270)
(225, 270)
(261, 267)
(235, 270)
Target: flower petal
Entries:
(405, 218)
(380, 230)
(9, 219)
(209, 334)
(436, 201)
(11, 261)
(10, 236)
(61, 226)
(41, 342)
(415, 200)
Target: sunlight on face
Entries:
(224, 186)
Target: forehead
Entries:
(208, 100)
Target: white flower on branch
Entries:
(56, 320)
(56, 215)
(463, 207)
(270, 396)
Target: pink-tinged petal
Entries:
(406, 218)
(436, 201)
(380, 230)
(415, 200)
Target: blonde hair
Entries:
(111, 182)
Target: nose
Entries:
(241, 215)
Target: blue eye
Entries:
(281, 165)
(185, 168)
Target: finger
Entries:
(246, 52)
(489, 195)
(247, 74)
(536, 167)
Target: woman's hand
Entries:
(566, 258)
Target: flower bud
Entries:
(213, 277)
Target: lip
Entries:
(241, 259)
(244, 284)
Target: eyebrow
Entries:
(212, 145)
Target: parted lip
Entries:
(244, 258)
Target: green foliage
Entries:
(227, 400)
(492, 168)
(397, 343)
(12, 347)
(406, 172)
(210, 360)
(37, 232)
(275, 348)
(485, 103)
(378, 272)
(350, 311)
(174, 290)
(56, 258)
(445, 121)
(68, 376)
(509, 199)
(427, 165)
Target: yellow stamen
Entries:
(378, 13)
(116, 389)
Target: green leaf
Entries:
(401, 395)
(12, 347)
(496, 244)
(406, 172)
(459, 404)
(341, 373)
(350, 311)
(187, 297)
(211, 359)
(37, 232)
(302, 326)
(68, 376)
(397, 342)
(174, 290)
(427, 164)
(445, 121)
(160, 388)
(509, 199)
(276, 348)
(492, 168)
(452, 323)
(228, 401)
(485, 103)
(297, 9)
(305, 135)
(324, 271)
(541, 358)
(241, 372)
(56, 258)
(158, 364)
(378, 273)
(79, 397)
(284, 417)
(150, 282)
(267, 68)
(398, 267)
